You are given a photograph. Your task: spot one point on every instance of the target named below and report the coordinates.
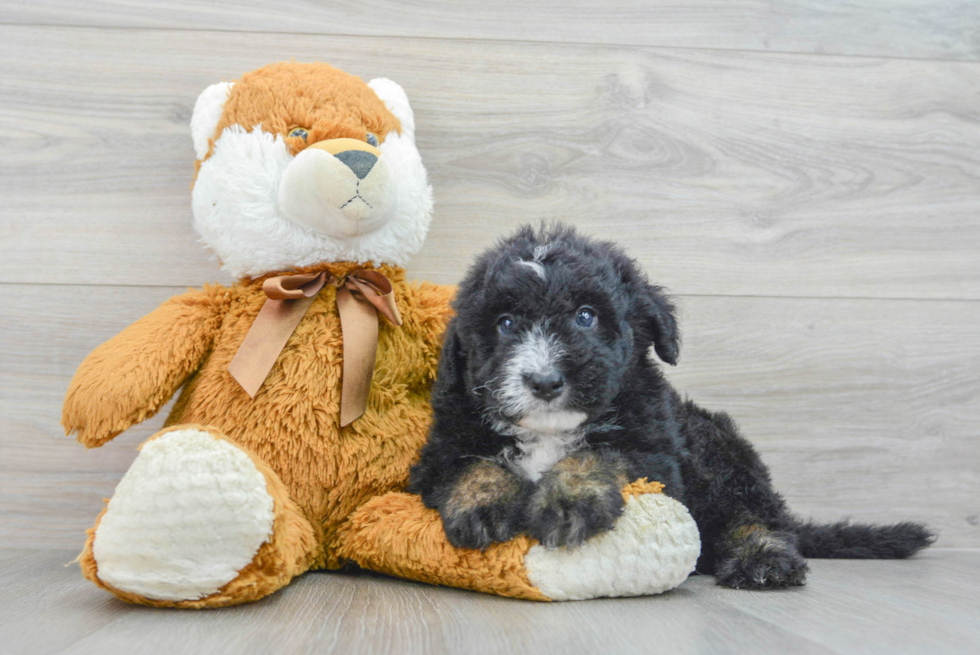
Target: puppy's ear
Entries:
(452, 363)
(655, 320)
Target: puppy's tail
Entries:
(846, 540)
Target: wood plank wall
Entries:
(804, 176)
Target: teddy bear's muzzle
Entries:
(339, 187)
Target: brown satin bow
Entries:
(361, 296)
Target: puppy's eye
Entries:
(586, 317)
(299, 132)
(506, 325)
(372, 140)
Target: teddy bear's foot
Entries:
(652, 548)
(197, 521)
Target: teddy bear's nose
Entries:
(359, 161)
(358, 156)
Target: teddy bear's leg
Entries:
(652, 548)
(197, 521)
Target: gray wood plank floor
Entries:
(925, 605)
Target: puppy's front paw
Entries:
(480, 526)
(577, 499)
(484, 506)
(763, 560)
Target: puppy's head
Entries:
(547, 324)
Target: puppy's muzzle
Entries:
(338, 187)
(545, 386)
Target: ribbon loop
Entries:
(291, 287)
(376, 289)
(288, 299)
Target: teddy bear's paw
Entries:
(652, 548)
(191, 512)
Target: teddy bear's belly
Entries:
(292, 423)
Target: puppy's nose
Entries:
(546, 386)
(359, 161)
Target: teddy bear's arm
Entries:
(130, 377)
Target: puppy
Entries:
(547, 401)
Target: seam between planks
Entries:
(599, 44)
(674, 295)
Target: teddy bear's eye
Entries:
(299, 132)
(371, 139)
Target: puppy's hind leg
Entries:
(749, 543)
(755, 556)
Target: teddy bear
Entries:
(304, 387)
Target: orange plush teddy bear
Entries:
(301, 410)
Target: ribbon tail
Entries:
(385, 304)
(377, 290)
(269, 333)
(359, 323)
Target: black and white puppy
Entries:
(547, 401)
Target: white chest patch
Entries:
(543, 439)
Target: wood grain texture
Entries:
(924, 605)
(867, 409)
(726, 173)
(910, 28)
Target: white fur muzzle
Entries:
(320, 192)
(260, 209)
(545, 431)
(238, 212)
(537, 352)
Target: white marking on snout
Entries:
(539, 353)
(545, 431)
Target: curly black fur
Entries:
(616, 418)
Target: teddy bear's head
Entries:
(302, 164)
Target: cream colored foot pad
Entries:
(190, 513)
(653, 548)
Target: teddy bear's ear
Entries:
(207, 113)
(397, 103)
